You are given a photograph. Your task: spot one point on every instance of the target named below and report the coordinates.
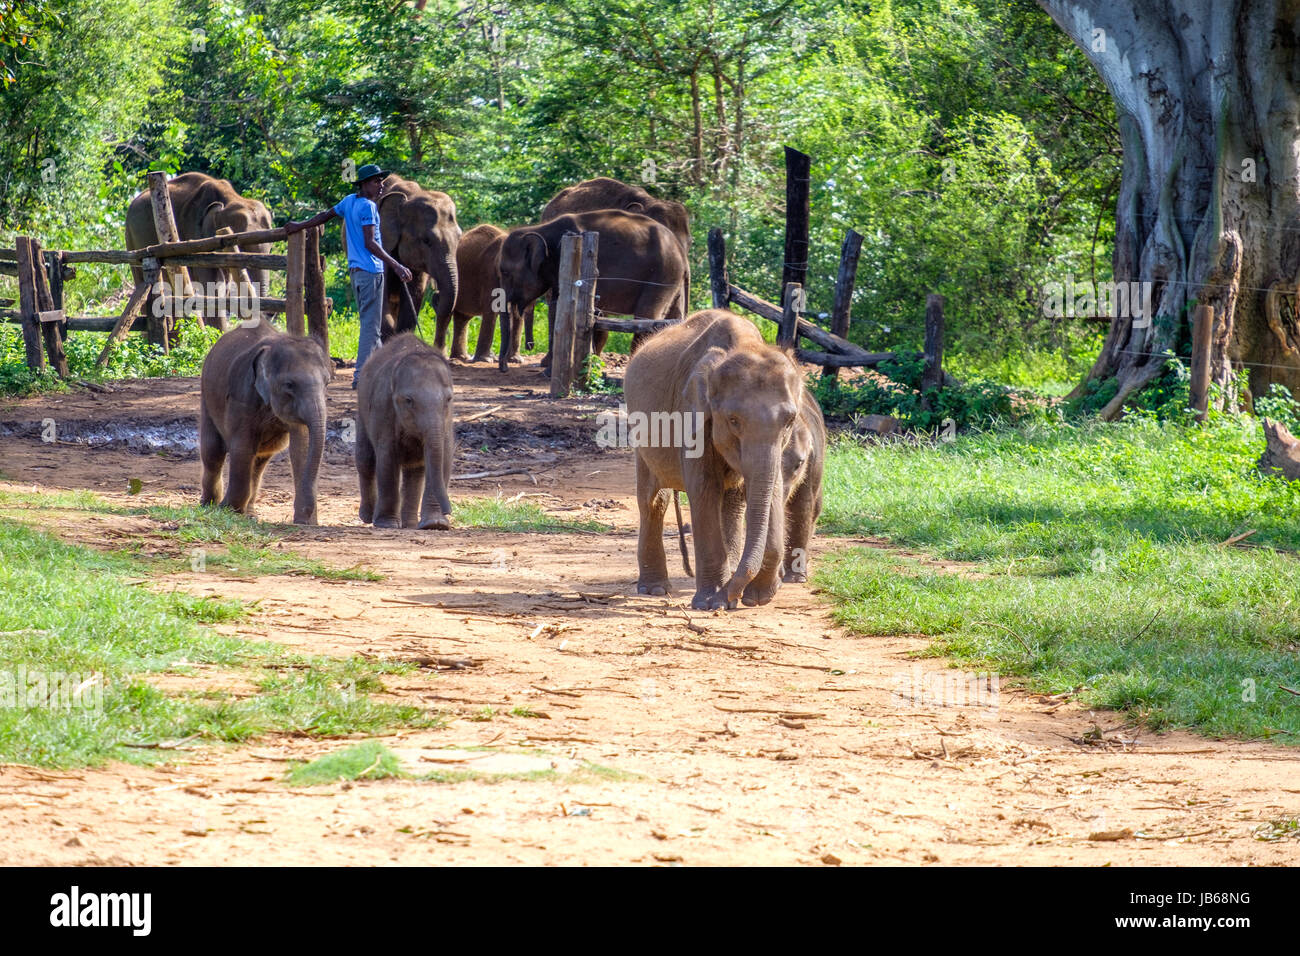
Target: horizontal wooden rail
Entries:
(832, 360)
(632, 325)
(815, 333)
(257, 237)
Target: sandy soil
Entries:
(758, 736)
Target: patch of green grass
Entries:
(521, 711)
(366, 761)
(71, 615)
(524, 517)
(1095, 563)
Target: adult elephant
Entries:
(419, 229)
(640, 262)
(606, 193)
(748, 446)
(202, 205)
(477, 258)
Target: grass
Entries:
(500, 514)
(242, 546)
(1093, 563)
(72, 615)
(367, 761)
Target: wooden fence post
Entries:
(932, 377)
(562, 343)
(718, 268)
(584, 308)
(165, 225)
(54, 266)
(314, 291)
(798, 179)
(1202, 336)
(294, 310)
(28, 307)
(49, 317)
(156, 323)
(842, 310)
(791, 305)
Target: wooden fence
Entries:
(164, 288)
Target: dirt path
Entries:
(759, 736)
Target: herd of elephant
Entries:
(643, 255)
(754, 483)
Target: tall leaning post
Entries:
(50, 317)
(791, 305)
(798, 211)
(562, 344)
(718, 282)
(1202, 337)
(584, 308)
(164, 222)
(296, 266)
(28, 308)
(932, 376)
(842, 309)
(314, 291)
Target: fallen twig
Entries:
(477, 415)
(499, 473)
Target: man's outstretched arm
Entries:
(319, 219)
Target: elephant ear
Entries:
(209, 217)
(535, 250)
(636, 206)
(249, 378)
(696, 392)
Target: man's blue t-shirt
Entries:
(358, 211)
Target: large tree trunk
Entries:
(1209, 115)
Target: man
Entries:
(366, 255)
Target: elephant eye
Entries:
(735, 422)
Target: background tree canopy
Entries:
(968, 140)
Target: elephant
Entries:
(476, 263)
(405, 436)
(262, 389)
(640, 263)
(201, 206)
(606, 193)
(419, 229)
(751, 448)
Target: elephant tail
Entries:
(681, 534)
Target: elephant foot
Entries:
(711, 599)
(438, 522)
(460, 357)
(366, 514)
(795, 577)
(757, 594)
(309, 520)
(653, 588)
(515, 359)
(387, 521)
(476, 357)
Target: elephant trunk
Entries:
(435, 507)
(306, 448)
(446, 276)
(764, 516)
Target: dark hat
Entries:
(370, 171)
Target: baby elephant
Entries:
(261, 390)
(405, 436)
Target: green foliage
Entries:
(1095, 560)
(1280, 406)
(367, 761)
(516, 516)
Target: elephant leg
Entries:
(598, 339)
(733, 523)
(212, 454)
(487, 328)
(710, 552)
(509, 321)
(460, 336)
(388, 488)
(440, 333)
(550, 332)
(652, 562)
(801, 516)
(528, 329)
(255, 481)
(239, 483)
(412, 492)
(365, 454)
